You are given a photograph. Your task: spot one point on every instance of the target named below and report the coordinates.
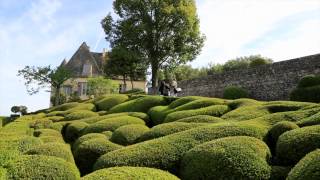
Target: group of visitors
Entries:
(169, 89)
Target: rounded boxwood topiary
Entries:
(309, 81)
(167, 129)
(278, 129)
(80, 114)
(307, 94)
(183, 100)
(42, 168)
(53, 149)
(88, 137)
(3, 173)
(215, 110)
(108, 134)
(73, 131)
(201, 119)
(46, 132)
(112, 124)
(310, 121)
(110, 101)
(128, 134)
(132, 173)
(142, 104)
(166, 152)
(234, 92)
(89, 151)
(239, 157)
(55, 118)
(307, 168)
(295, 144)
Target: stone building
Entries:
(85, 64)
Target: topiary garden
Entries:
(154, 137)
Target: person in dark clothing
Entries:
(164, 88)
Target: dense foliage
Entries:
(308, 89)
(150, 137)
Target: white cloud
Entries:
(230, 25)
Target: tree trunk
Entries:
(57, 96)
(124, 83)
(131, 79)
(154, 78)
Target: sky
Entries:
(44, 32)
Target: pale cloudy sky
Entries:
(43, 32)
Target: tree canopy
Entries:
(161, 32)
(43, 77)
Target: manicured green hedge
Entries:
(88, 137)
(73, 106)
(112, 124)
(295, 144)
(283, 106)
(132, 173)
(234, 104)
(307, 168)
(159, 113)
(46, 132)
(80, 114)
(52, 149)
(3, 173)
(55, 118)
(128, 134)
(110, 101)
(246, 113)
(42, 123)
(307, 94)
(142, 104)
(87, 152)
(309, 121)
(183, 100)
(74, 130)
(140, 115)
(234, 92)
(278, 129)
(201, 119)
(167, 129)
(42, 168)
(215, 110)
(239, 157)
(19, 143)
(309, 81)
(166, 152)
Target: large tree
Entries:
(162, 31)
(43, 77)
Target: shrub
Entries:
(279, 172)
(308, 94)
(283, 106)
(246, 113)
(58, 126)
(234, 92)
(55, 118)
(295, 144)
(307, 168)
(110, 101)
(52, 149)
(112, 124)
(278, 129)
(41, 123)
(41, 167)
(140, 115)
(142, 104)
(166, 152)
(73, 106)
(80, 114)
(58, 113)
(215, 110)
(132, 173)
(167, 129)
(183, 100)
(238, 157)
(201, 119)
(88, 137)
(73, 131)
(51, 139)
(135, 91)
(89, 151)
(3, 173)
(108, 134)
(128, 134)
(310, 121)
(159, 113)
(234, 104)
(309, 81)
(19, 143)
(46, 132)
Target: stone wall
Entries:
(267, 82)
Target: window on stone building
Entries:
(87, 70)
(67, 90)
(82, 88)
